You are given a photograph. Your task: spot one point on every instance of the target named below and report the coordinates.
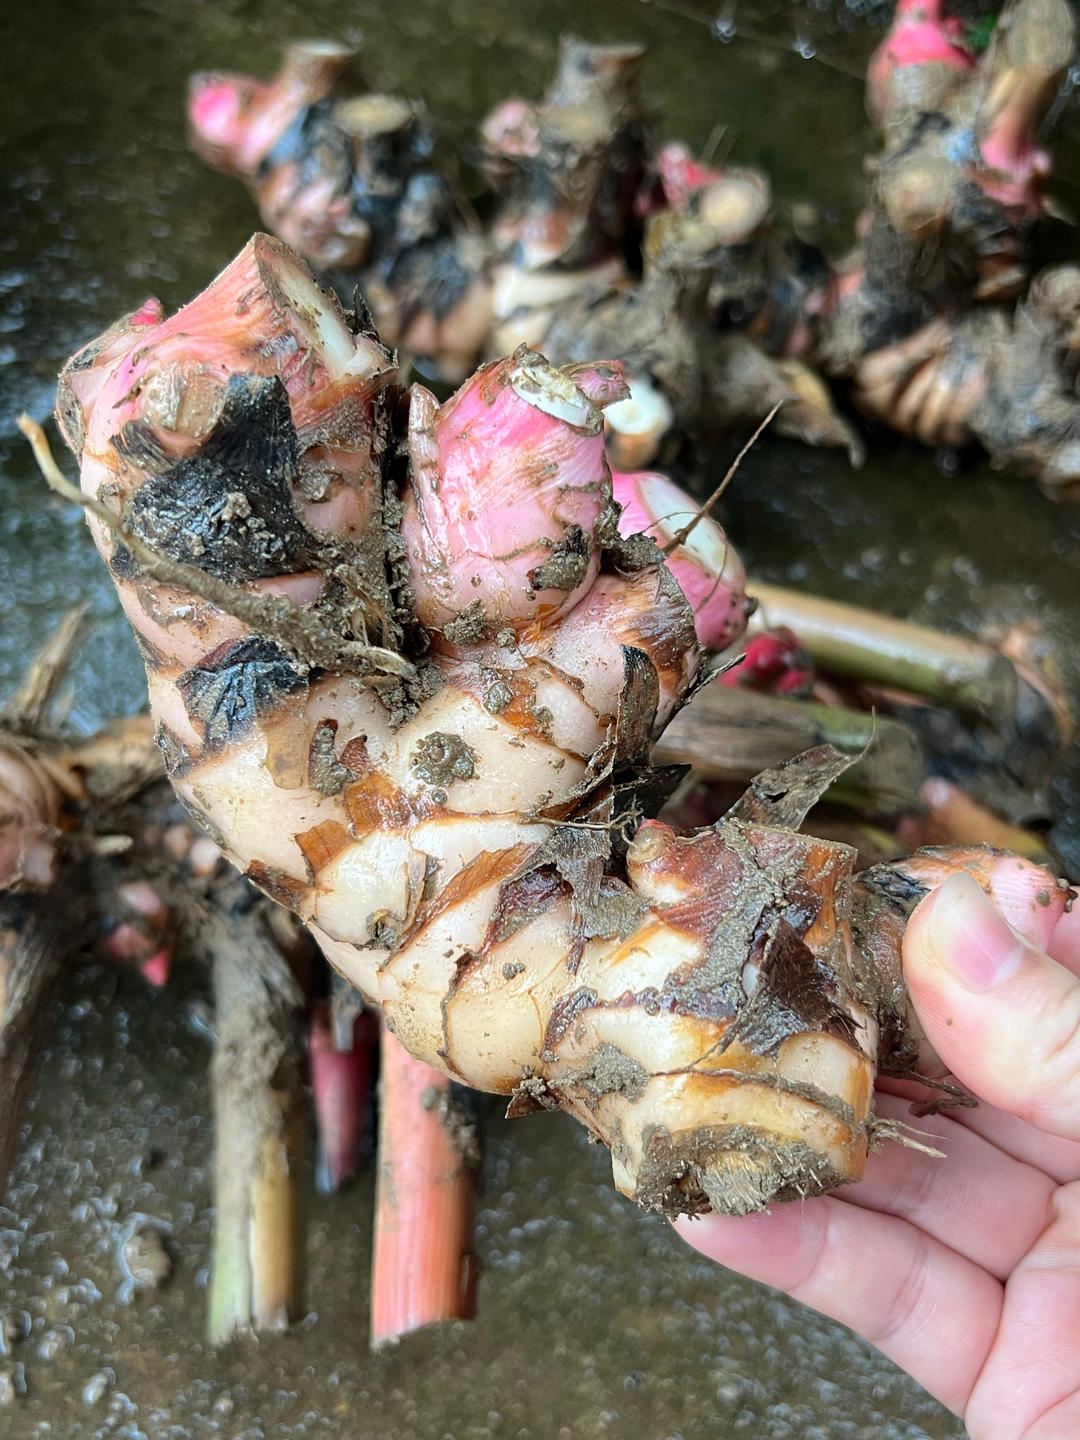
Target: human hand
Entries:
(966, 1270)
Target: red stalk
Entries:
(423, 1270)
(341, 1090)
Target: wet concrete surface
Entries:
(593, 1319)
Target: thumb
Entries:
(1002, 1015)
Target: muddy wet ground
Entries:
(593, 1319)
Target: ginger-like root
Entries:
(716, 331)
(345, 176)
(567, 172)
(924, 321)
(919, 65)
(465, 834)
(324, 189)
(960, 183)
(1005, 380)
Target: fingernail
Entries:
(970, 939)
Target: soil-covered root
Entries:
(923, 320)
(1003, 379)
(344, 175)
(960, 184)
(715, 335)
(329, 163)
(567, 172)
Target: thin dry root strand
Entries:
(25, 711)
(707, 505)
(905, 1135)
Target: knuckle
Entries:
(915, 1186)
(901, 1306)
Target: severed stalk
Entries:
(423, 1270)
(254, 1274)
(341, 1045)
(953, 817)
(864, 645)
(729, 735)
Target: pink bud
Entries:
(155, 971)
(706, 566)
(651, 850)
(920, 36)
(681, 175)
(216, 108)
(509, 483)
(773, 661)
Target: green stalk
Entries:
(860, 644)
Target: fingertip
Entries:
(772, 1246)
(713, 1234)
(953, 946)
(957, 935)
(1031, 897)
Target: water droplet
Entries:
(723, 27)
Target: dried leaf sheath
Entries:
(254, 1274)
(456, 835)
